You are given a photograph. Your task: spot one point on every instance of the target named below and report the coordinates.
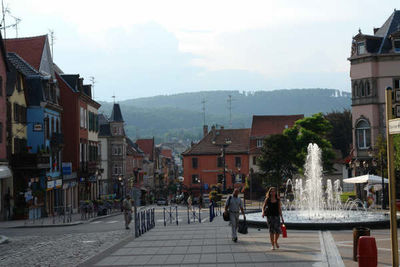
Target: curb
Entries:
(3, 239)
(65, 224)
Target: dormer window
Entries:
(396, 44)
(360, 48)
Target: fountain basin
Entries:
(328, 220)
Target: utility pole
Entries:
(392, 127)
(204, 111)
(230, 110)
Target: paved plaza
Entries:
(209, 244)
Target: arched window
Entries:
(367, 88)
(57, 126)
(362, 88)
(52, 125)
(363, 134)
(355, 89)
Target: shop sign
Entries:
(67, 168)
(58, 183)
(92, 178)
(50, 185)
(37, 127)
(394, 126)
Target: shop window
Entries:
(363, 134)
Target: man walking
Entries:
(127, 207)
(233, 204)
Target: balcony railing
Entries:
(30, 161)
(57, 140)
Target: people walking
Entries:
(272, 209)
(127, 207)
(233, 205)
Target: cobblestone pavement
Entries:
(57, 250)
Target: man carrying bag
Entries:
(233, 205)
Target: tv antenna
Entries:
(93, 81)
(52, 38)
(5, 10)
(113, 97)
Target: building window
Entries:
(220, 162)
(195, 179)
(195, 163)
(52, 125)
(367, 88)
(260, 142)
(396, 44)
(220, 178)
(355, 89)
(47, 128)
(360, 48)
(82, 124)
(254, 160)
(363, 134)
(396, 83)
(238, 162)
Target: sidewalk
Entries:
(52, 221)
(210, 244)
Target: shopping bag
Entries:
(225, 215)
(242, 227)
(284, 232)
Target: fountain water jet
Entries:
(314, 208)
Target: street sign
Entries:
(205, 186)
(394, 126)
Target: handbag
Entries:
(225, 215)
(242, 228)
(284, 232)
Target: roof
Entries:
(239, 142)
(380, 42)
(104, 130)
(167, 153)
(147, 146)
(72, 80)
(21, 65)
(29, 48)
(116, 114)
(267, 125)
(102, 119)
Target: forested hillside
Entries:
(180, 116)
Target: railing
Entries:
(62, 214)
(90, 210)
(191, 214)
(144, 221)
(170, 214)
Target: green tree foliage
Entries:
(276, 161)
(312, 129)
(340, 135)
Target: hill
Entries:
(180, 116)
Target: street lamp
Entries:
(224, 145)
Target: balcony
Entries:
(26, 161)
(92, 166)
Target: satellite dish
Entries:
(181, 179)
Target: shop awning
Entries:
(5, 172)
(368, 178)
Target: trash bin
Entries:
(357, 232)
(367, 252)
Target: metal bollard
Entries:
(176, 210)
(199, 214)
(188, 215)
(165, 223)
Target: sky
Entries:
(157, 47)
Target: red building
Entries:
(263, 126)
(203, 163)
(80, 124)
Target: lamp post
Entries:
(224, 145)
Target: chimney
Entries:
(222, 127)
(376, 29)
(205, 130)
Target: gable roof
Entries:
(72, 80)
(147, 146)
(239, 142)
(116, 114)
(167, 153)
(266, 125)
(29, 48)
(21, 65)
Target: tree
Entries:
(340, 135)
(276, 161)
(311, 130)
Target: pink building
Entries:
(375, 65)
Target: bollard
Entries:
(188, 215)
(357, 232)
(170, 214)
(199, 214)
(211, 214)
(176, 217)
(367, 254)
(165, 223)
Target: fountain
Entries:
(312, 207)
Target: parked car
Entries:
(162, 201)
